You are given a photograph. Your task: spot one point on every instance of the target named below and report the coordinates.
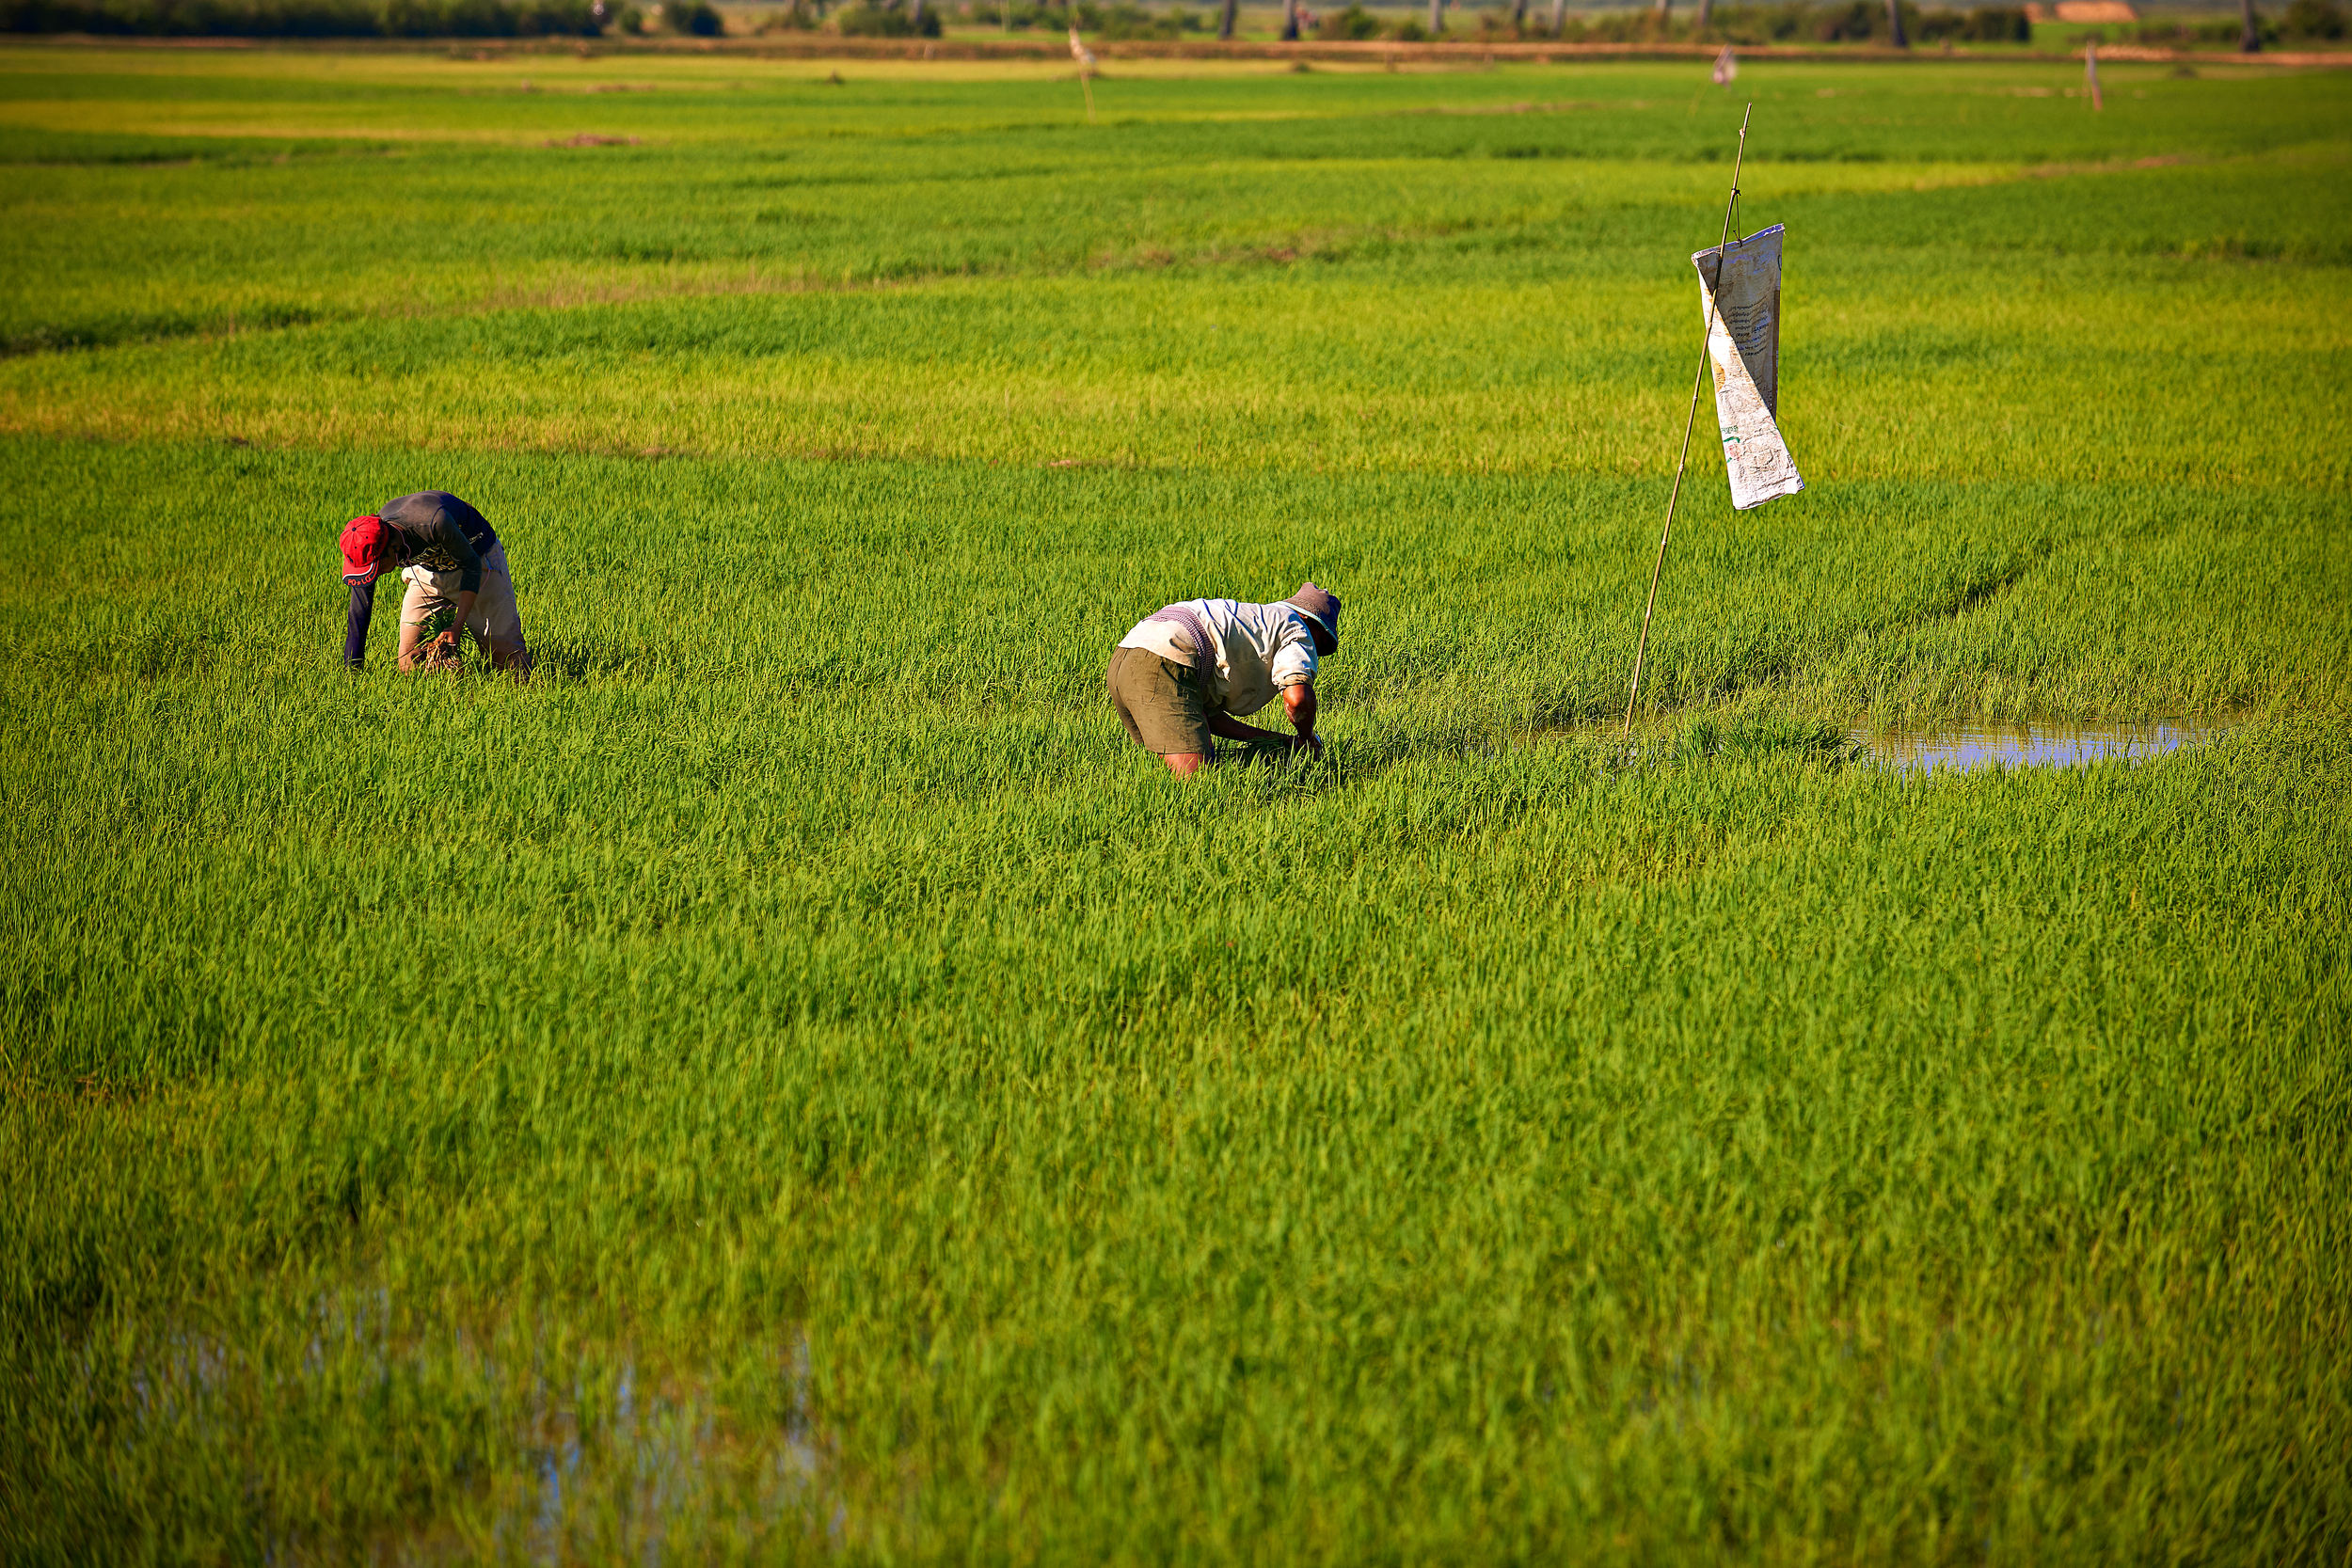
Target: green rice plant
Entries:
(792, 1081)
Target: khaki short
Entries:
(496, 625)
(1161, 704)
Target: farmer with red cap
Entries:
(1179, 676)
(453, 562)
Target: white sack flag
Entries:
(1744, 345)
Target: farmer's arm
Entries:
(1230, 728)
(448, 535)
(1295, 673)
(1298, 706)
(355, 625)
(464, 614)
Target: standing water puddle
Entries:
(1973, 746)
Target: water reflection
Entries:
(607, 1464)
(1964, 747)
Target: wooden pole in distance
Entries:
(1690, 424)
(1085, 57)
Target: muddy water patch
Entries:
(563, 1453)
(1966, 748)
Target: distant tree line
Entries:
(350, 19)
(1796, 22)
(2304, 22)
(1791, 21)
(1122, 19)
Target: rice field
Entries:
(794, 1082)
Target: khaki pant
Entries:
(496, 624)
(1161, 704)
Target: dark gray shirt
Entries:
(436, 531)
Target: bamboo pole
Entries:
(1641, 648)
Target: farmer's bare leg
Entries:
(512, 659)
(419, 603)
(1183, 764)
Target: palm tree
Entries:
(2249, 37)
(1436, 17)
(1895, 22)
(1225, 22)
(1290, 21)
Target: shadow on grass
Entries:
(587, 660)
(1533, 759)
(110, 331)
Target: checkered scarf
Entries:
(1203, 645)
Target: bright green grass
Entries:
(794, 1082)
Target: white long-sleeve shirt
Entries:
(1255, 649)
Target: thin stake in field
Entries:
(1642, 647)
(1084, 57)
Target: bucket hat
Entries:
(1321, 607)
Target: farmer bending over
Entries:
(452, 560)
(1180, 676)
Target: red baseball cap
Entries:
(363, 550)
